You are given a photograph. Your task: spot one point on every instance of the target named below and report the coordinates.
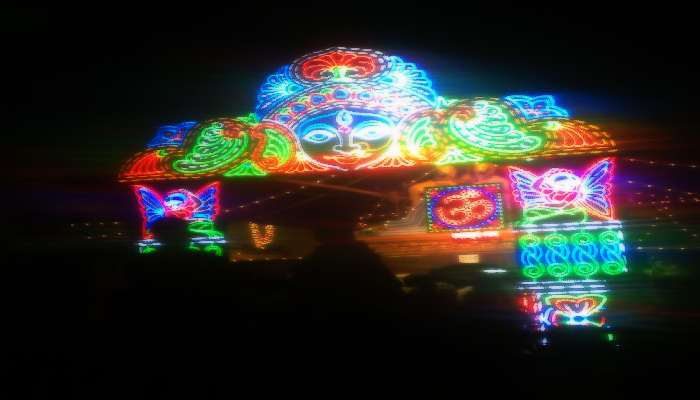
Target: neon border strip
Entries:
(565, 287)
(569, 226)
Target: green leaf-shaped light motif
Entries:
(420, 135)
(246, 168)
(204, 228)
(277, 146)
(212, 150)
(490, 130)
(456, 155)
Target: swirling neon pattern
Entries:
(572, 254)
(491, 131)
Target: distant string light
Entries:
(261, 235)
(662, 163)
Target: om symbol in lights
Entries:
(457, 208)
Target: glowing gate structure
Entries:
(343, 109)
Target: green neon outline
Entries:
(455, 155)
(246, 168)
(277, 146)
(212, 150)
(419, 135)
(488, 129)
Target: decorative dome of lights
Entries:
(351, 109)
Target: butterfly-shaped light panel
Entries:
(561, 195)
(201, 206)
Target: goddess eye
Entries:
(319, 134)
(372, 130)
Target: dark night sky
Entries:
(87, 88)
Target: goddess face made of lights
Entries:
(345, 106)
(346, 138)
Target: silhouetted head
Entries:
(173, 233)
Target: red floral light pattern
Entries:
(339, 64)
(144, 165)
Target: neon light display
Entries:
(563, 254)
(464, 208)
(171, 135)
(350, 109)
(474, 235)
(573, 302)
(563, 309)
(566, 286)
(490, 131)
(561, 195)
(261, 237)
(571, 226)
(574, 309)
(199, 209)
(565, 137)
(537, 107)
(557, 239)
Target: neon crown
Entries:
(349, 109)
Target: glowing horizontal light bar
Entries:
(563, 281)
(562, 224)
(148, 242)
(569, 226)
(468, 258)
(494, 271)
(209, 240)
(474, 235)
(574, 292)
(195, 240)
(564, 287)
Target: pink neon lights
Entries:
(181, 203)
(560, 192)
